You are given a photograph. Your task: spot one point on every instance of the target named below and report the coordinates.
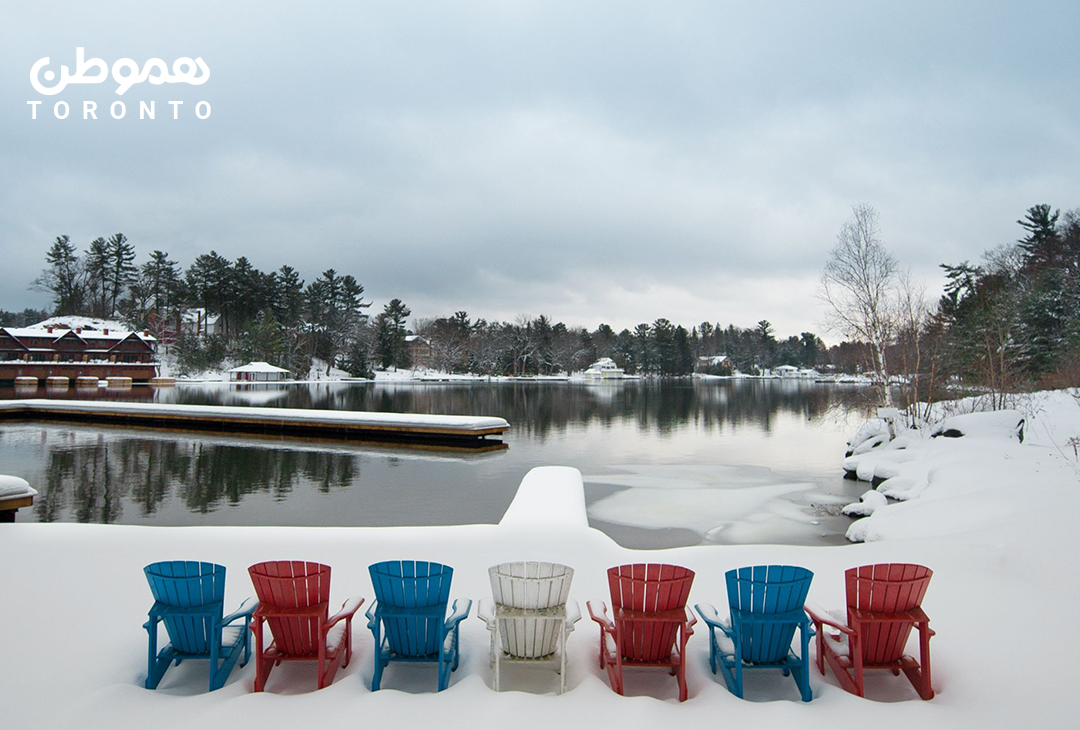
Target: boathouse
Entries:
(258, 372)
(60, 352)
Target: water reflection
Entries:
(795, 430)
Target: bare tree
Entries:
(857, 287)
(912, 317)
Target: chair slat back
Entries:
(767, 589)
(649, 587)
(530, 586)
(184, 584)
(412, 584)
(886, 588)
(292, 584)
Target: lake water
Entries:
(674, 462)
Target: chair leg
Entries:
(562, 661)
(155, 665)
(263, 665)
(801, 673)
(919, 674)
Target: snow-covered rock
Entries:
(871, 435)
(1005, 424)
(868, 502)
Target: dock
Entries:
(471, 433)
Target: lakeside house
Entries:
(258, 372)
(58, 352)
(604, 369)
(714, 365)
(421, 352)
(198, 322)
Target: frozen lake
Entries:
(677, 462)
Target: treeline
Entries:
(1012, 322)
(24, 318)
(537, 346)
(273, 316)
(277, 317)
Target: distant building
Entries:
(54, 351)
(421, 353)
(198, 322)
(258, 372)
(786, 371)
(714, 365)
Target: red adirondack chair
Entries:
(294, 602)
(651, 622)
(883, 604)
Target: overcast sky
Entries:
(593, 161)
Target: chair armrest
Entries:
(691, 619)
(573, 612)
(914, 615)
(244, 611)
(605, 623)
(458, 613)
(313, 611)
(348, 608)
(817, 615)
(485, 611)
(371, 615)
(709, 615)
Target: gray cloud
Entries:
(594, 161)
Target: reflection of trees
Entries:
(94, 480)
(536, 409)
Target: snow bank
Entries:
(92, 653)
(1005, 425)
(984, 477)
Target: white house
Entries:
(258, 372)
(198, 322)
(786, 371)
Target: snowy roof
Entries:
(61, 331)
(198, 315)
(714, 359)
(414, 338)
(786, 368)
(258, 367)
(603, 363)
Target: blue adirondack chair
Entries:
(189, 598)
(766, 605)
(408, 617)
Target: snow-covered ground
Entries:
(983, 479)
(74, 653)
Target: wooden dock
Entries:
(471, 433)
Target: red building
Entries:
(58, 351)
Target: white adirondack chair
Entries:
(530, 615)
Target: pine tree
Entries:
(63, 278)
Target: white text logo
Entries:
(184, 71)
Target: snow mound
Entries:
(868, 502)
(874, 433)
(1005, 425)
